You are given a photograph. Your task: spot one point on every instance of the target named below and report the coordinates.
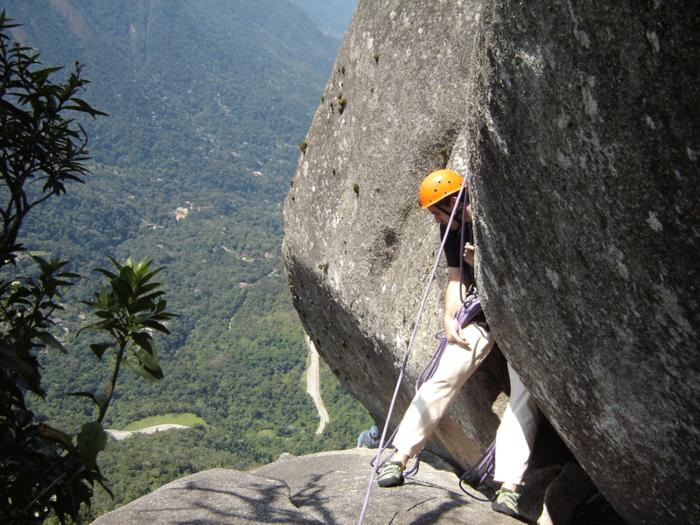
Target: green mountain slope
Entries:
(208, 102)
(211, 89)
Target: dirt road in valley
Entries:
(313, 385)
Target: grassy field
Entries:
(187, 419)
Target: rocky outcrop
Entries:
(358, 252)
(216, 496)
(578, 126)
(325, 488)
(583, 141)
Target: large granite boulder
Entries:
(578, 127)
(583, 140)
(357, 248)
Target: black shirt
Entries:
(454, 252)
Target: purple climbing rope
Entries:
(469, 310)
(478, 475)
(471, 307)
(402, 371)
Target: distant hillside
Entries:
(211, 88)
(208, 102)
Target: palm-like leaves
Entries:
(129, 309)
(42, 149)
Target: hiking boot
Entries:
(391, 474)
(506, 502)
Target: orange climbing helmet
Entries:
(438, 185)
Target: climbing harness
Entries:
(402, 371)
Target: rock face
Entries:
(578, 126)
(216, 496)
(326, 488)
(583, 143)
(358, 251)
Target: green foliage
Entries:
(143, 463)
(39, 144)
(342, 102)
(202, 94)
(128, 308)
(43, 469)
(40, 468)
(213, 89)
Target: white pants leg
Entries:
(516, 433)
(433, 398)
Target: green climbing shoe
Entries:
(391, 474)
(506, 502)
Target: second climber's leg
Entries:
(516, 433)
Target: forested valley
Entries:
(208, 102)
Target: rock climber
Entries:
(467, 348)
(369, 438)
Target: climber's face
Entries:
(443, 209)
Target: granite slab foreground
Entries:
(327, 487)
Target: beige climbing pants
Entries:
(435, 395)
(516, 433)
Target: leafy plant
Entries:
(235, 355)
(130, 308)
(43, 469)
(40, 145)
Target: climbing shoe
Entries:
(506, 502)
(391, 474)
